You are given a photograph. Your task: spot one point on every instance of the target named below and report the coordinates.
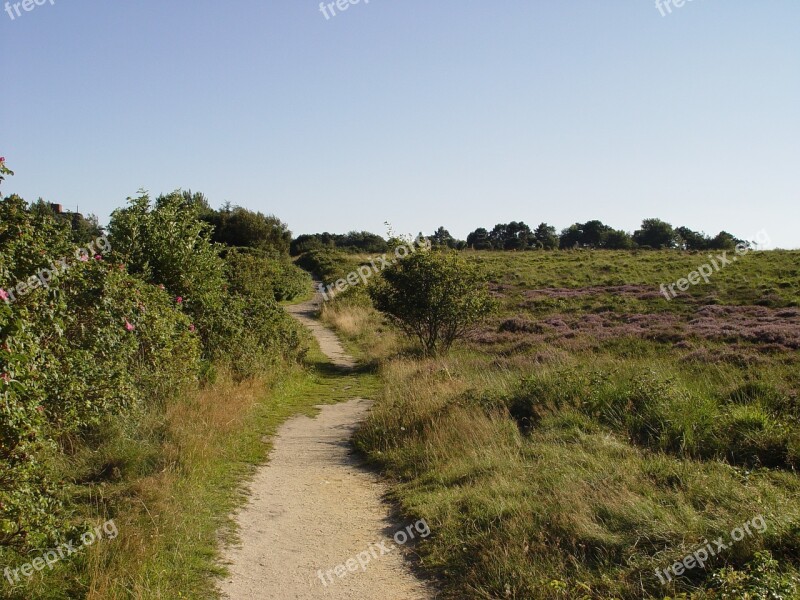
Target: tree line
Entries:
(653, 234)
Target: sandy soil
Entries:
(313, 507)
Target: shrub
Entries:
(435, 297)
(114, 338)
(167, 244)
(255, 274)
(325, 264)
(761, 579)
(64, 371)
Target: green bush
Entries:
(325, 264)
(97, 342)
(434, 297)
(256, 274)
(115, 337)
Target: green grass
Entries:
(580, 441)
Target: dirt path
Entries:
(313, 507)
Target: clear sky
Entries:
(421, 113)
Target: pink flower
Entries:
(2, 159)
(3, 294)
(98, 257)
(128, 325)
(192, 327)
(5, 377)
(84, 258)
(179, 300)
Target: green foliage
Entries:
(354, 241)
(594, 234)
(4, 170)
(255, 274)
(328, 265)
(63, 371)
(546, 237)
(433, 297)
(663, 415)
(761, 579)
(114, 337)
(441, 238)
(657, 234)
(240, 227)
(168, 244)
(83, 228)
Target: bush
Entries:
(113, 338)
(433, 297)
(325, 264)
(255, 274)
(64, 371)
(167, 244)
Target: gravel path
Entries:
(314, 506)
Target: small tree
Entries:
(435, 297)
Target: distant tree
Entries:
(354, 241)
(545, 237)
(240, 227)
(306, 243)
(82, 229)
(616, 239)
(723, 241)
(443, 239)
(434, 297)
(657, 234)
(511, 236)
(361, 241)
(196, 199)
(594, 234)
(691, 240)
(479, 240)
(571, 237)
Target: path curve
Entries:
(314, 506)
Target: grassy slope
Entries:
(630, 446)
(179, 487)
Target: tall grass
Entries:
(565, 453)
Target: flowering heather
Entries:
(732, 324)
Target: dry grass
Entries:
(363, 330)
(165, 510)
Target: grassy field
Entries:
(594, 433)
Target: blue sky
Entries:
(454, 113)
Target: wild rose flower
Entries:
(98, 257)
(84, 258)
(3, 294)
(128, 325)
(179, 300)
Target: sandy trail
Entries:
(314, 506)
